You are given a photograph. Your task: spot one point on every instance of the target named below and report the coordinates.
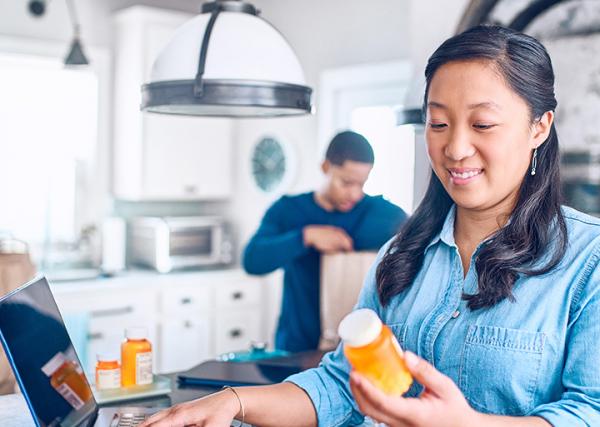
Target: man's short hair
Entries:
(349, 145)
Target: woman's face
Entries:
(479, 135)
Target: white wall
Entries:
(94, 17)
(324, 34)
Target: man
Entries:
(296, 230)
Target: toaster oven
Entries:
(171, 243)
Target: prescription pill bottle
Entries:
(108, 371)
(67, 378)
(136, 358)
(373, 351)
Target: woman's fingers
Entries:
(377, 405)
(432, 379)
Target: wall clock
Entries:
(271, 164)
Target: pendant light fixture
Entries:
(75, 57)
(227, 62)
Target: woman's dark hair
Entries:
(536, 224)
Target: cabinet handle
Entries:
(236, 333)
(186, 301)
(95, 336)
(112, 312)
(237, 295)
(190, 189)
(187, 324)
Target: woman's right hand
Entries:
(216, 410)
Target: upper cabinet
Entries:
(161, 157)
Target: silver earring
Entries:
(534, 161)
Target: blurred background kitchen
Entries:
(139, 218)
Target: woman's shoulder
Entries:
(581, 224)
(583, 235)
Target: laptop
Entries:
(46, 366)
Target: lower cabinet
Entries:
(190, 317)
(236, 330)
(184, 342)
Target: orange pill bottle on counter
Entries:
(373, 351)
(108, 372)
(136, 358)
(67, 378)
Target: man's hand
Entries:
(327, 239)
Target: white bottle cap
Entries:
(107, 356)
(53, 364)
(137, 333)
(360, 327)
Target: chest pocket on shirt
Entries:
(500, 368)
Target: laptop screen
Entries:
(43, 358)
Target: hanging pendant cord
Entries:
(199, 83)
(73, 16)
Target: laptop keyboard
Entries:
(130, 420)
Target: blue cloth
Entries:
(279, 243)
(537, 356)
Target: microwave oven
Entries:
(171, 243)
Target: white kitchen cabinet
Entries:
(235, 330)
(185, 342)
(191, 317)
(162, 157)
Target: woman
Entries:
(491, 282)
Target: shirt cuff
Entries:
(331, 409)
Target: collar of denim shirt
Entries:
(446, 234)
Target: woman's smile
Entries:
(464, 176)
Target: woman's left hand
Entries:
(441, 404)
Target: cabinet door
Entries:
(162, 157)
(186, 157)
(184, 343)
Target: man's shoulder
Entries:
(291, 201)
(380, 204)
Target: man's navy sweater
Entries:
(278, 243)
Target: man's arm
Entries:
(272, 247)
(379, 224)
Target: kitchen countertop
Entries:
(15, 413)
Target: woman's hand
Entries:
(216, 410)
(441, 404)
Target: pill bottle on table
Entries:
(108, 371)
(67, 378)
(373, 351)
(136, 358)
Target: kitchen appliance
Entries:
(170, 243)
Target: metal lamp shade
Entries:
(76, 55)
(249, 71)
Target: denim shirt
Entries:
(538, 355)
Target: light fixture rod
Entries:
(199, 83)
(73, 17)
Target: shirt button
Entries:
(456, 314)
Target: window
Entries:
(393, 172)
(364, 98)
(48, 140)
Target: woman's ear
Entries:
(541, 128)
